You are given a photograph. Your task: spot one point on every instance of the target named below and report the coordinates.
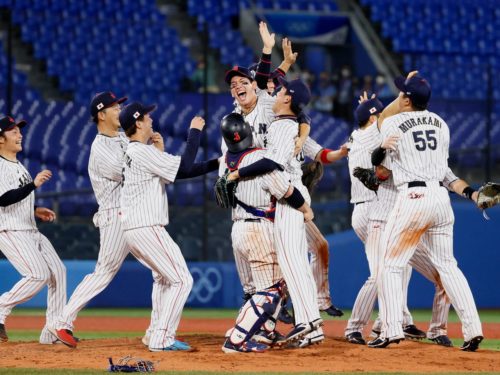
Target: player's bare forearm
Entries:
(391, 110)
(462, 188)
(327, 156)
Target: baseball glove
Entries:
(367, 177)
(311, 174)
(225, 192)
(488, 195)
(131, 364)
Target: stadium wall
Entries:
(217, 285)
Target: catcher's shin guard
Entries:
(256, 313)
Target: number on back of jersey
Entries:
(425, 139)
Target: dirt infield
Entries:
(206, 337)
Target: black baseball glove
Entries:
(311, 174)
(225, 192)
(367, 177)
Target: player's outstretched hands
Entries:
(308, 214)
(45, 214)
(42, 177)
(364, 97)
(288, 55)
(344, 150)
(268, 39)
(299, 143)
(157, 140)
(390, 142)
(197, 123)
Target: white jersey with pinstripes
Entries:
(106, 168)
(422, 152)
(259, 119)
(20, 215)
(257, 192)
(146, 171)
(363, 142)
(311, 148)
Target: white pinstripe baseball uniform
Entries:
(422, 213)
(290, 236)
(362, 143)
(105, 172)
(144, 214)
(29, 251)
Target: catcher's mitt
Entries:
(368, 177)
(488, 195)
(131, 364)
(225, 192)
(311, 174)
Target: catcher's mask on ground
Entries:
(236, 132)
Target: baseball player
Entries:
(367, 204)
(419, 142)
(29, 251)
(253, 238)
(289, 224)
(144, 214)
(105, 172)
(256, 107)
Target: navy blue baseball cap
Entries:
(104, 100)
(131, 112)
(368, 108)
(240, 71)
(8, 123)
(298, 90)
(416, 88)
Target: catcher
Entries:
(252, 201)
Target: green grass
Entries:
(78, 372)
(487, 316)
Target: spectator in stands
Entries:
(343, 106)
(366, 85)
(382, 89)
(198, 77)
(324, 94)
(307, 77)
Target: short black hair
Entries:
(133, 129)
(416, 107)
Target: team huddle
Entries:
(400, 181)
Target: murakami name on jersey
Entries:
(424, 120)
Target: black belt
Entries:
(420, 183)
(359, 203)
(251, 220)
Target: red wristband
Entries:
(324, 154)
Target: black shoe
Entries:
(333, 311)
(443, 340)
(300, 330)
(412, 332)
(382, 343)
(472, 345)
(285, 316)
(356, 338)
(3, 334)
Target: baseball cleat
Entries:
(472, 345)
(66, 337)
(375, 333)
(176, 346)
(145, 340)
(355, 338)
(246, 347)
(308, 341)
(443, 340)
(333, 311)
(302, 329)
(3, 334)
(269, 338)
(284, 316)
(383, 343)
(412, 332)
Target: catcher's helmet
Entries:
(237, 132)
